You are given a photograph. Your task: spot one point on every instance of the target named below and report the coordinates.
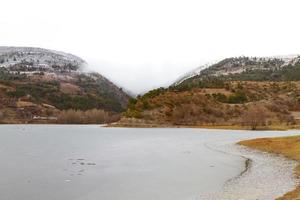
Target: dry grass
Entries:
(69, 88)
(296, 115)
(287, 146)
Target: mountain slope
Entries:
(40, 82)
(240, 91)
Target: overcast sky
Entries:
(143, 44)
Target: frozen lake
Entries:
(49, 162)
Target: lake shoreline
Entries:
(218, 127)
(272, 173)
(157, 125)
(288, 145)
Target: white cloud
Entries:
(143, 44)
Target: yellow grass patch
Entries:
(48, 106)
(5, 87)
(25, 104)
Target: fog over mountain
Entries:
(146, 44)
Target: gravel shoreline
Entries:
(266, 176)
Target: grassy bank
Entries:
(287, 146)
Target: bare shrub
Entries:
(94, 116)
(278, 107)
(255, 116)
(286, 118)
(1, 115)
(69, 117)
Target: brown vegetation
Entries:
(255, 105)
(93, 116)
(69, 88)
(287, 146)
(2, 116)
(255, 116)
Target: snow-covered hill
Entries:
(38, 59)
(193, 73)
(30, 67)
(240, 64)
